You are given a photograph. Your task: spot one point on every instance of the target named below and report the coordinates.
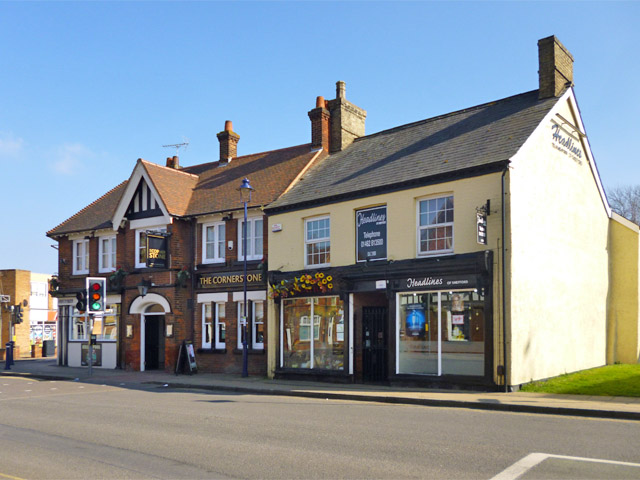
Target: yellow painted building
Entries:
(475, 248)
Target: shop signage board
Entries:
(96, 353)
(371, 234)
(481, 228)
(230, 279)
(438, 282)
(157, 250)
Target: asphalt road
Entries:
(55, 430)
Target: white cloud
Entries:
(71, 157)
(10, 145)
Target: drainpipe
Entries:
(504, 287)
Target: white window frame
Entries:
(251, 306)
(217, 242)
(255, 344)
(211, 323)
(314, 241)
(252, 255)
(420, 228)
(111, 253)
(219, 344)
(81, 259)
(139, 232)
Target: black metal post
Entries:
(245, 352)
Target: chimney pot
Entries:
(341, 89)
(173, 162)
(228, 142)
(320, 102)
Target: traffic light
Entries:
(81, 304)
(96, 293)
(19, 318)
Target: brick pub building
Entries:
(192, 287)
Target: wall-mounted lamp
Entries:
(143, 287)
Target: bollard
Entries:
(8, 356)
(13, 344)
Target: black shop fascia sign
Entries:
(436, 282)
(230, 280)
(157, 250)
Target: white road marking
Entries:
(527, 463)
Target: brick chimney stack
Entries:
(319, 117)
(555, 70)
(346, 122)
(228, 143)
(335, 124)
(173, 162)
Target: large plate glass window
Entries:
(317, 239)
(435, 225)
(254, 239)
(312, 333)
(105, 327)
(213, 242)
(441, 333)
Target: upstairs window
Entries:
(107, 253)
(317, 234)
(254, 239)
(81, 257)
(213, 242)
(435, 225)
(141, 244)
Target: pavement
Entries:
(625, 408)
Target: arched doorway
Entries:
(152, 328)
(152, 309)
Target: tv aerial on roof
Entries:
(178, 146)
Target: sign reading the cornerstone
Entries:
(371, 234)
(157, 250)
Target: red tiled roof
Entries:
(203, 189)
(94, 216)
(175, 187)
(270, 173)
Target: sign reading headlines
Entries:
(439, 282)
(371, 234)
(566, 142)
(229, 279)
(157, 250)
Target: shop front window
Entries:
(313, 333)
(441, 333)
(104, 326)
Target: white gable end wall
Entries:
(558, 253)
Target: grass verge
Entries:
(612, 380)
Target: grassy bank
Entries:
(612, 380)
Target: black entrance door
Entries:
(153, 342)
(374, 338)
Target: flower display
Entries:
(304, 284)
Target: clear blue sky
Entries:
(86, 88)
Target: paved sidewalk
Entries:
(576, 405)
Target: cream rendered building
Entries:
(475, 248)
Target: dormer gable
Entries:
(141, 199)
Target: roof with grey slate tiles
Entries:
(469, 139)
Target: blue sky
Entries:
(86, 88)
